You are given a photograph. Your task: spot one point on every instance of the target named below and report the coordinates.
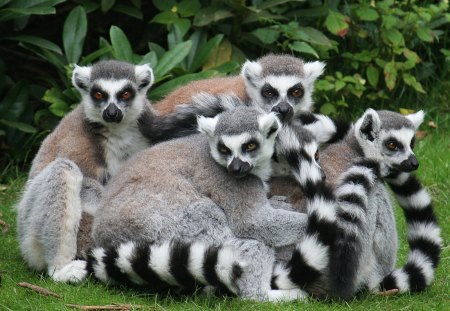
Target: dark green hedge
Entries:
(377, 52)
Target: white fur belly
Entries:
(120, 146)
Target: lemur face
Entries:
(112, 91)
(242, 140)
(282, 84)
(390, 137)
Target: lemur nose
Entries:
(410, 164)
(112, 114)
(239, 168)
(284, 110)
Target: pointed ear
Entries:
(369, 125)
(313, 70)
(207, 125)
(81, 77)
(416, 118)
(144, 76)
(251, 71)
(269, 125)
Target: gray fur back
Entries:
(113, 70)
(238, 121)
(393, 120)
(281, 65)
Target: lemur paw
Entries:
(282, 295)
(73, 272)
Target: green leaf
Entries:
(373, 75)
(303, 47)
(394, 36)
(389, 21)
(187, 8)
(315, 36)
(95, 55)
(74, 34)
(323, 85)
(172, 58)
(128, 10)
(411, 55)
(165, 18)
(411, 81)
(150, 58)
(339, 85)
(266, 35)
(37, 41)
(219, 56)
(121, 46)
(390, 75)
(336, 23)
(58, 106)
(169, 86)
(23, 127)
(425, 34)
(106, 5)
(328, 109)
(164, 5)
(205, 51)
(14, 103)
(267, 4)
(12, 13)
(366, 13)
(210, 15)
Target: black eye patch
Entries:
(413, 142)
(297, 91)
(127, 93)
(97, 94)
(250, 146)
(223, 149)
(393, 144)
(267, 91)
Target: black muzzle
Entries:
(284, 111)
(239, 168)
(410, 164)
(112, 114)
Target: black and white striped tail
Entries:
(311, 256)
(183, 120)
(352, 198)
(424, 236)
(310, 259)
(325, 129)
(171, 263)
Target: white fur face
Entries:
(274, 91)
(392, 147)
(111, 101)
(243, 153)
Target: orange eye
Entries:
(297, 93)
(391, 146)
(99, 95)
(126, 95)
(316, 156)
(251, 147)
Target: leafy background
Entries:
(382, 54)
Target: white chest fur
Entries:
(120, 144)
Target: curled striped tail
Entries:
(325, 129)
(311, 255)
(183, 120)
(172, 263)
(352, 197)
(424, 236)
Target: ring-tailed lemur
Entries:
(76, 159)
(364, 253)
(206, 189)
(279, 83)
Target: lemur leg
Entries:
(424, 236)
(49, 216)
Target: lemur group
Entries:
(232, 184)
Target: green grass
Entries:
(433, 153)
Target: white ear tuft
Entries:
(251, 71)
(416, 118)
(314, 69)
(369, 125)
(207, 125)
(144, 76)
(81, 77)
(269, 124)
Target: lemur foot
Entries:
(74, 272)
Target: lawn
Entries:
(433, 152)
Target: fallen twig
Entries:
(5, 225)
(38, 289)
(107, 307)
(387, 293)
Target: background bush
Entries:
(379, 53)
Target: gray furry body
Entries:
(178, 189)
